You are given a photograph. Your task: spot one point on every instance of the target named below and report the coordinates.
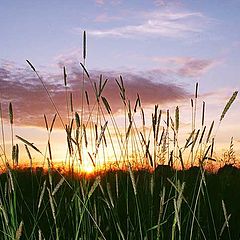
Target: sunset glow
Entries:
(161, 49)
(119, 119)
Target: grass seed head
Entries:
(228, 105)
(10, 113)
(177, 119)
(19, 231)
(84, 45)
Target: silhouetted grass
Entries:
(103, 208)
(140, 195)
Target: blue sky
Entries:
(138, 35)
(167, 44)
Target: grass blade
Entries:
(29, 144)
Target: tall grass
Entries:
(139, 194)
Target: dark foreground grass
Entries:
(165, 204)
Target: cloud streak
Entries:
(100, 2)
(196, 67)
(162, 3)
(157, 24)
(187, 66)
(103, 2)
(104, 17)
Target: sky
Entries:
(161, 48)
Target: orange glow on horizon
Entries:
(89, 171)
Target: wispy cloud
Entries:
(100, 2)
(68, 58)
(196, 67)
(187, 66)
(160, 2)
(163, 3)
(157, 24)
(112, 2)
(104, 17)
(30, 101)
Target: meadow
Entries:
(165, 204)
(154, 187)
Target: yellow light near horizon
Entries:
(114, 154)
(87, 168)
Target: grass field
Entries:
(154, 188)
(165, 204)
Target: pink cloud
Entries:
(187, 66)
(30, 102)
(196, 67)
(100, 2)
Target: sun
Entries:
(88, 169)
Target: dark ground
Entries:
(113, 203)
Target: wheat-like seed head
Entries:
(58, 186)
(228, 105)
(19, 231)
(10, 113)
(42, 194)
